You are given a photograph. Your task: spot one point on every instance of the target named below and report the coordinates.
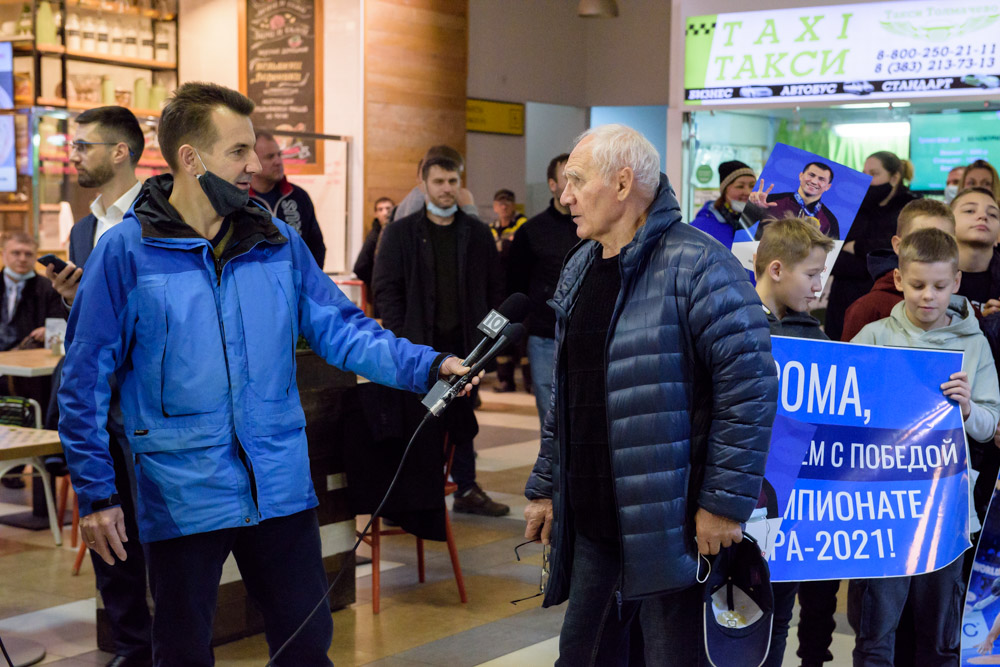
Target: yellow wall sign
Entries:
(494, 117)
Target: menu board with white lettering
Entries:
(282, 73)
(877, 50)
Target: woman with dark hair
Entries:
(721, 218)
(872, 230)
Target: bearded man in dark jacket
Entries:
(654, 449)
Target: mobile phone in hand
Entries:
(51, 260)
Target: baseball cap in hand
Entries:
(739, 607)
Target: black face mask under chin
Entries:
(224, 197)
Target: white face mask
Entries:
(441, 212)
(738, 206)
(18, 277)
(950, 192)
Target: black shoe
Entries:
(130, 661)
(504, 387)
(475, 501)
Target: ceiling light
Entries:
(597, 9)
(872, 129)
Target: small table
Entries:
(28, 363)
(28, 443)
(33, 363)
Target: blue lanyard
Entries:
(805, 208)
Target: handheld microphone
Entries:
(439, 397)
(513, 309)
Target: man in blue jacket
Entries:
(654, 449)
(195, 302)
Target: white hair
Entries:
(614, 147)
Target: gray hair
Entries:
(615, 147)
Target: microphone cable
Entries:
(3, 648)
(378, 512)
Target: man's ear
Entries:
(121, 153)
(626, 181)
(187, 158)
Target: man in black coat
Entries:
(437, 273)
(28, 299)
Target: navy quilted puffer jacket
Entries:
(691, 394)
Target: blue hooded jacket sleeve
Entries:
(95, 338)
(341, 333)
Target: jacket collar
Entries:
(664, 212)
(284, 188)
(161, 223)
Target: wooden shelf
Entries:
(50, 101)
(30, 45)
(48, 208)
(83, 106)
(121, 61)
(97, 6)
(14, 208)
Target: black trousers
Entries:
(281, 563)
(123, 585)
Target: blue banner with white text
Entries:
(867, 474)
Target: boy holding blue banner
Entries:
(931, 316)
(788, 265)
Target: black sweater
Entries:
(535, 261)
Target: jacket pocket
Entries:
(185, 360)
(270, 330)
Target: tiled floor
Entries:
(419, 624)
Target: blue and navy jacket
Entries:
(204, 352)
(691, 395)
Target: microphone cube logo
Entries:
(493, 324)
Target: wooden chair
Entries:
(65, 489)
(374, 540)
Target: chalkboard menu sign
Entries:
(281, 70)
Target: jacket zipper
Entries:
(248, 464)
(607, 419)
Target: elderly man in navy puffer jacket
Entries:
(665, 390)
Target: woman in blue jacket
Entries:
(721, 218)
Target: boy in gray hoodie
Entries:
(931, 316)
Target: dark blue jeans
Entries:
(541, 354)
(281, 563)
(596, 632)
(874, 607)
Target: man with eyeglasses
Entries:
(106, 148)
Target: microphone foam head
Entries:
(515, 307)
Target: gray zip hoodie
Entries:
(962, 335)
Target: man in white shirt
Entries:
(106, 147)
